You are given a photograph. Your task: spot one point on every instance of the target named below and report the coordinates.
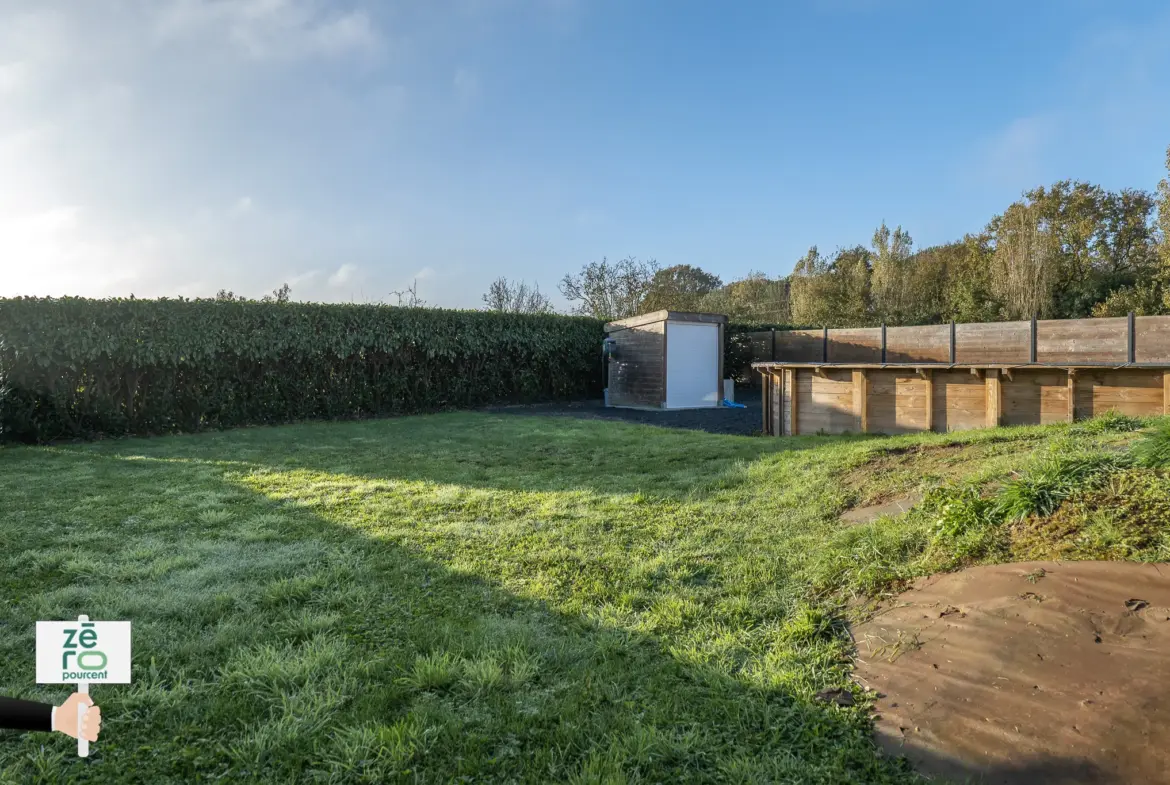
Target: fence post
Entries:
(1132, 340)
(883, 343)
(1032, 350)
(952, 341)
(824, 344)
(773, 344)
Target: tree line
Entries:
(1065, 251)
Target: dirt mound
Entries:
(1041, 672)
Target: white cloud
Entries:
(424, 273)
(345, 274)
(61, 250)
(14, 77)
(352, 32)
(302, 278)
(183, 146)
(1016, 154)
(272, 29)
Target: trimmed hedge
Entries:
(76, 367)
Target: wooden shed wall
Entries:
(888, 400)
(960, 400)
(825, 402)
(1035, 396)
(897, 401)
(636, 375)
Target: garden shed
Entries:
(666, 360)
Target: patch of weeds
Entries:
(434, 671)
(1111, 421)
(869, 559)
(1126, 517)
(810, 625)
(214, 517)
(965, 527)
(1042, 489)
(1035, 575)
(482, 674)
(1152, 450)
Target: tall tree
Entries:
(680, 288)
(1101, 241)
(832, 293)
(1164, 222)
(967, 290)
(516, 297)
(1024, 267)
(609, 290)
(755, 298)
(892, 297)
(1149, 293)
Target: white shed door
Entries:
(692, 365)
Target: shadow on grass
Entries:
(503, 452)
(304, 649)
(1027, 770)
(365, 660)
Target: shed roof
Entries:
(666, 316)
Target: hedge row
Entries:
(738, 353)
(76, 367)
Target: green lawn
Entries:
(473, 598)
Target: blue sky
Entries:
(169, 147)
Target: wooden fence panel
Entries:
(1058, 342)
(993, 342)
(1082, 341)
(800, 346)
(1152, 335)
(927, 344)
(855, 345)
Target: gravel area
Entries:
(744, 422)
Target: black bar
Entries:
(952, 341)
(824, 344)
(883, 343)
(1032, 351)
(773, 344)
(1132, 339)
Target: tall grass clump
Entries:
(1041, 490)
(965, 526)
(1111, 421)
(1152, 451)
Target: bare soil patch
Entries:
(895, 506)
(1036, 672)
